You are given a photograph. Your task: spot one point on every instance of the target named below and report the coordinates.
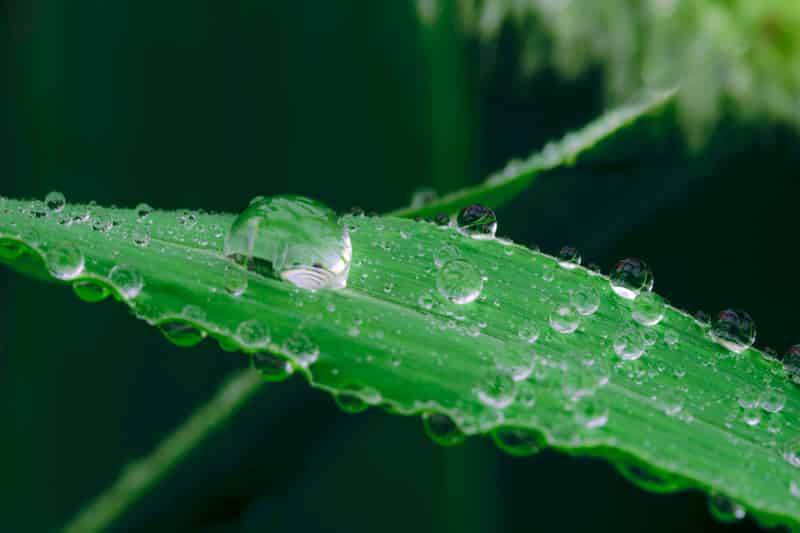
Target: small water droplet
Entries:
(591, 413)
(37, 209)
(55, 201)
(253, 334)
(671, 338)
(127, 280)
(648, 309)
(569, 257)
(585, 300)
(181, 333)
(235, 280)
(528, 332)
(143, 211)
(90, 291)
(794, 488)
(141, 238)
(724, 509)
(444, 254)
(791, 452)
(441, 429)
(496, 389)
(442, 219)
(629, 344)
(630, 277)
(517, 441)
(459, 281)
(564, 319)
(194, 313)
(772, 400)
(102, 225)
(735, 330)
(271, 367)
(301, 349)
(350, 403)
(189, 219)
(293, 238)
(64, 261)
(477, 221)
(671, 401)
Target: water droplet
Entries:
(253, 334)
(569, 257)
(496, 389)
(629, 344)
(127, 280)
(90, 291)
(735, 330)
(189, 219)
(791, 363)
(630, 277)
(528, 332)
(102, 225)
(140, 238)
(564, 319)
(441, 429)
(423, 196)
(143, 211)
(235, 280)
(671, 338)
(724, 509)
(294, 238)
(459, 281)
(64, 261)
(271, 367)
(350, 403)
(477, 221)
(517, 441)
(772, 400)
(441, 219)
(301, 349)
(794, 488)
(194, 313)
(648, 309)
(585, 300)
(181, 333)
(591, 413)
(671, 401)
(791, 452)
(55, 201)
(751, 415)
(444, 254)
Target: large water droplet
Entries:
(64, 261)
(585, 300)
(271, 367)
(441, 429)
(648, 309)
(301, 349)
(181, 332)
(477, 221)
(127, 280)
(629, 344)
(55, 201)
(569, 257)
(496, 389)
(564, 318)
(724, 509)
(253, 334)
(294, 238)
(459, 281)
(517, 441)
(630, 277)
(90, 291)
(734, 330)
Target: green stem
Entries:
(140, 476)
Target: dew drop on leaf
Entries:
(444, 253)
(235, 280)
(564, 319)
(590, 412)
(569, 257)
(772, 400)
(791, 452)
(127, 280)
(90, 291)
(630, 277)
(724, 509)
(528, 332)
(181, 333)
(629, 344)
(55, 201)
(143, 212)
(585, 300)
(64, 261)
(293, 238)
(517, 441)
(496, 389)
(350, 403)
(459, 281)
(271, 367)
(648, 309)
(441, 429)
(733, 329)
(253, 334)
(477, 221)
(141, 238)
(301, 348)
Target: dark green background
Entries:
(205, 104)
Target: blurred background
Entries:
(206, 104)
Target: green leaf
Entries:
(504, 185)
(670, 420)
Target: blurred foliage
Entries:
(737, 54)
